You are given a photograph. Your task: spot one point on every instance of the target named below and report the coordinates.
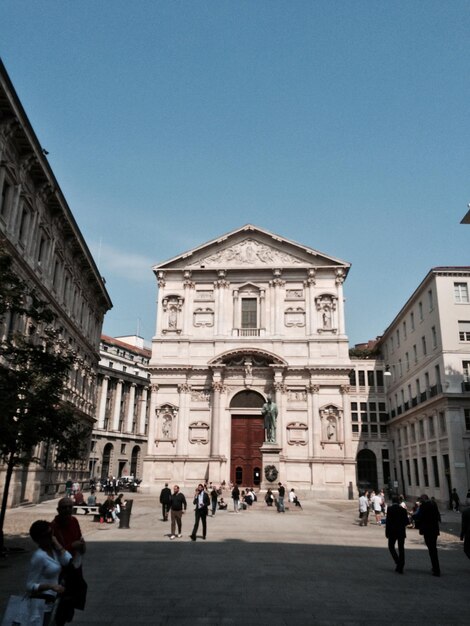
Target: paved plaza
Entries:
(314, 566)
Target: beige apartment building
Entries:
(39, 232)
(427, 352)
(119, 439)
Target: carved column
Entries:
(161, 292)
(117, 405)
(262, 310)
(188, 302)
(313, 412)
(103, 398)
(220, 285)
(152, 418)
(278, 301)
(217, 389)
(183, 419)
(347, 428)
(143, 411)
(339, 283)
(130, 408)
(236, 312)
(310, 301)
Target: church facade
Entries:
(244, 320)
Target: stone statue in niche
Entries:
(166, 426)
(269, 412)
(172, 317)
(331, 429)
(326, 318)
(330, 415)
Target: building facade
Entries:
(427, 352)
(120, 433)
(240, 319)
(38, 231)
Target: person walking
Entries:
(201, 501)
(178, 506)
(465, 530)
(214, 498)
(395, 531)
(165, 499)
(455, 500)
(427, 520)
(236, 498)
(363, 509)
(281, 493)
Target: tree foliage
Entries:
(35, 366)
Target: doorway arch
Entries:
(106, 462)
(247, 438)
(135, 458)
(366, 470)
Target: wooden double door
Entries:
(247, 439)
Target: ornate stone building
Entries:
(120, 432)
(39, 232)
(241, 318)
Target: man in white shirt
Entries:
(363, 509)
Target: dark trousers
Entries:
(165, 509)
(214, 506)
(200, 516)
(399, 557)
(364, 518)
(431, 543)
(466, 545)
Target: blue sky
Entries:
(342, 125)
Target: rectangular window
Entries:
(464, 331)
(24, 222)
(398, 336)
(442, 423)
(249, 313)
(461, 293)
(413, 433)
(431, 426)
(412, 321)
(352, 378)
(362, 378)
(408, 472)
(404, 330)
(423, 345)
(421, 430)
(467, 419)
(5, 199)
(420, 311)
(123, 448)
(466, 371)
(425, 471)
(430, 300)
(380, 378)
(415, 465)
(370, 378)
(434, 337)
(415, 354)
(355, 428)
(353, 406)
(435, 471)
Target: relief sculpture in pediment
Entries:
(249, 252)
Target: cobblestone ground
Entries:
(314, 566)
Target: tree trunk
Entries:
(8, 475)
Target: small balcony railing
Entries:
(248, 332)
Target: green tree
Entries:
(34, 369)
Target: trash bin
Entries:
(125, 514)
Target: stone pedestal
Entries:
(270, 457)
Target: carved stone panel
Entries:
(203, 317)
(248, 252)
(294, 316)
(297, 434)
(199, 433)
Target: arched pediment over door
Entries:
(239, 356)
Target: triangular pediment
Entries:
(250, 247)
